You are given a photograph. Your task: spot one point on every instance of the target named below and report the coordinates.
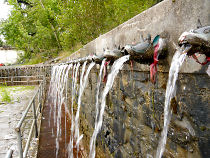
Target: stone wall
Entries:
(133, 117)
(26, 74)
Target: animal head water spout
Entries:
(139, 48)
(198, 40)
(113, 54)
(145, 48)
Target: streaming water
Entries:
(76, 130)
(67, 112)
(83, 83)
(74, 84)
(118, 64)
(58, 93)
(93, 138)
(54, 68)
(177, 61)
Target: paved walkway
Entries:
(10, 114)
(47, 143)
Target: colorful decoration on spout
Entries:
(145, 49)
(202, 63)
(105, 71)
(153, 66)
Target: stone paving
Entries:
(10, 114)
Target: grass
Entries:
(5, 95)
(5, 91)
(21, 88)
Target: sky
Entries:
(4, 10)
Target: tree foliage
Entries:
(1, 43)
(48, 26)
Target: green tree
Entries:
(1, 43)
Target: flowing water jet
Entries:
(76, 132)
(59, 100)
(93, 138)
(83, 83)
(58, 94)
(176, 64)
(118, 64)
(66, 110)
(53, 71)
(74, 84)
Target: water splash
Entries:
(118, 64)
(93, 138)
(177, 61)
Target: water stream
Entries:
(76, 136)
(83, 83)
(176, 64)
(93, 139)
(58, 95)
(118, 64)
(74, 84)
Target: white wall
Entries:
(9, 56)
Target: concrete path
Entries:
(10, 114)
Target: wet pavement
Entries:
(47, 142)
(47, 139)
(10, 114)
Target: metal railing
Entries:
(34, 127)
(9, 153)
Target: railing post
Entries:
(19, 143)
(11, 80)
(35, 125)
(40, 98)
(27, 80)
(9, 153)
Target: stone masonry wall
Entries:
(133, 117)
(13, 75)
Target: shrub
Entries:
(5, 96)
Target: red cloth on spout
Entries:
(204, 63)
(153, 66)
(105, 71)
